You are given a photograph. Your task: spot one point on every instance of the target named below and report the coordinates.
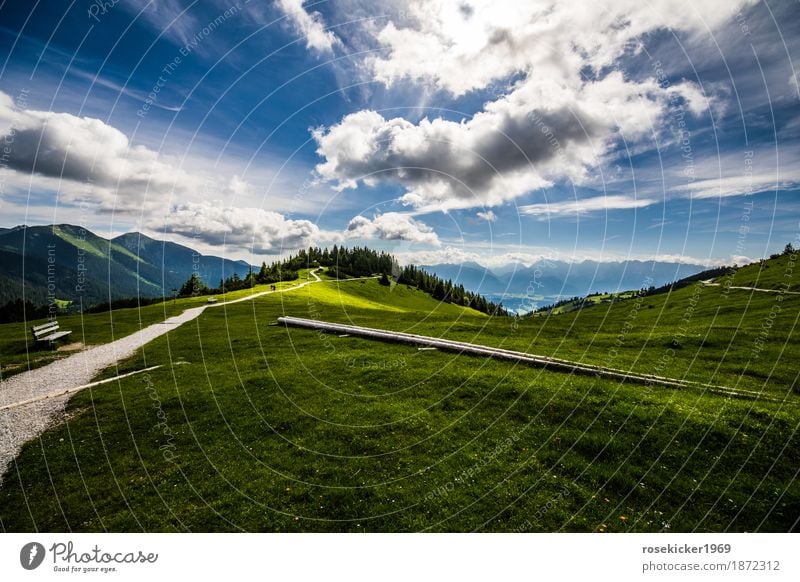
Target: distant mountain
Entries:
(13, 228)
(553, 279)
(472, 275)
(80, 266)
(173, 259)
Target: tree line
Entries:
(447, 291)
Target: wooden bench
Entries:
(48, 332)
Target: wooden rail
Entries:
(510, 355)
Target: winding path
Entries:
(29, 401)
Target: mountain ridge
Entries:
(69, 262)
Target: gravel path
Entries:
(27, 421)
(710, 283)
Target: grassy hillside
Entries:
(265, 428)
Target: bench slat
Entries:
(46, 330)
(55, 336)
(44, 334)
(45, 326)
(40, 334)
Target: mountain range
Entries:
(84, 268)
(71, 263)
(521, 287)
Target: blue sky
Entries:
(441, 131)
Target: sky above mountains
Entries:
(442, 131)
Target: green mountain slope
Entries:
(86, 269)
(174, 261)
(776, 273)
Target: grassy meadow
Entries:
(252, 426)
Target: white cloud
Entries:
(520, 142)
(585, 206)
(392, 226)
(562, 118)
(262, 231)
(693, 98)
(461, 50)
(491, 257)
(447, 256)
(742, 185)
(238, 187)
(488, 216)
(737, 172)
(310, 25)
(87, 159)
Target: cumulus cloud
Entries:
(87, 159)
(538, 133)
(584, 206)
(310, 25)
(562, 117)
(461, 50)
(488, 216)
(261, 231)
(392, 226)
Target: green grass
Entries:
(82, 244)
(706, 334)
(264, 428)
